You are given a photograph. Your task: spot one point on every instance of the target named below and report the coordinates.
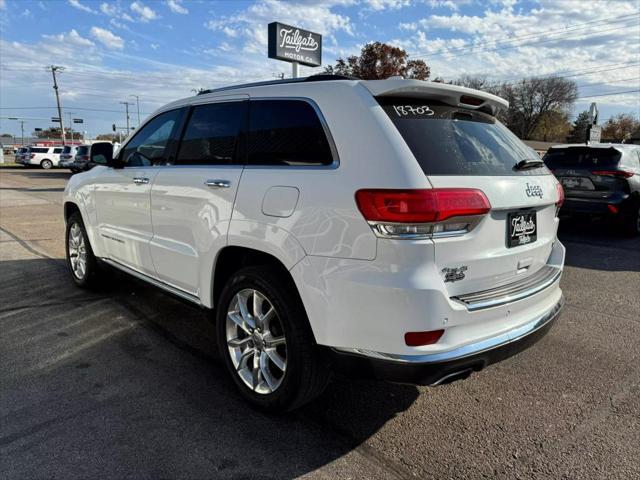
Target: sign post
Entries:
(594, 131)
(294, 45)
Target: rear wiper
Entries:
(528, 163)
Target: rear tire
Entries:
(266, 342)
(632, 222)
(46, 164)
(83, 266)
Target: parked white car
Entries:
(46, 157)
(391, 229)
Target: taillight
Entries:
(33, 155)
(560, 196)
(469, 100)
(418, 339)
(422, 213)
(613, 173)
(84, 157)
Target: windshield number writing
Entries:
(412, 111)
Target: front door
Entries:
(123, 195)
(192, 200)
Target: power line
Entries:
(562, 35)
(608, 94)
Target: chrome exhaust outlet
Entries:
(452, 377)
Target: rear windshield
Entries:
(83, 150)
(582, 157)
(448, 140)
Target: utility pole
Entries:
(137, 107)
(126, 106)
(54, 69)
(22, 132)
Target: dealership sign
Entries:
(293, 44)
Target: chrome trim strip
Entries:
(156, 283)
(494, 297)
(470, 349)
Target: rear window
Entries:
(582, 157)
(448, 140)
(66, 149)
(83, 150)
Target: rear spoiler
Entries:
(449, 94)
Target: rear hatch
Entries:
(460, 147)
(589, 173)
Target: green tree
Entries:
(554, 126)
(579, 130)
(378, 61)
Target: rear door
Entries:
(462, 148)
(192, 199)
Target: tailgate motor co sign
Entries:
(293, 44)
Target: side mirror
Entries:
(102, 154)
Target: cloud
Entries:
(107, 38)
(145, 13)
(3, 4)
(80, 6)
(176, 7)
(72, 38)
(249, 24)
(380, 5)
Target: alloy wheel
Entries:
(77, 251)
(256, 341)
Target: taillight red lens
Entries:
(613, 173)
(418, 339)
(85, 157)
(33, 155)
(560, 195)
(420, 206)
(469, 100)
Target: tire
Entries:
(46, 164)
(284, 376)
(78, 249)
(632, 222)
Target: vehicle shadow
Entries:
(599, 244)
(153, 397)
(47, 174)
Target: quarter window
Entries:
(286, 132)
(149, 146)
(211, 136)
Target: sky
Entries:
(162, 50)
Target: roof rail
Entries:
(321, 77)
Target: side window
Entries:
(149, 146)
(211, 136)
(57, 150)
(286, 132)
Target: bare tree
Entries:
(379, 61)
(530, 99)
(621, 127)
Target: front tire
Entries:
(266, 342)
(46, 164)
(83, 266)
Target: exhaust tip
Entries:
(452, 377)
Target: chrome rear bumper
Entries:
(493, 297)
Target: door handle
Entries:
(217, 183)
(140, 180)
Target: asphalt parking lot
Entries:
(125, 382)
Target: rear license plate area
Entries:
(577, 183)
(522, 228)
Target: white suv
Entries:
(46, 157)
(391, 229)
